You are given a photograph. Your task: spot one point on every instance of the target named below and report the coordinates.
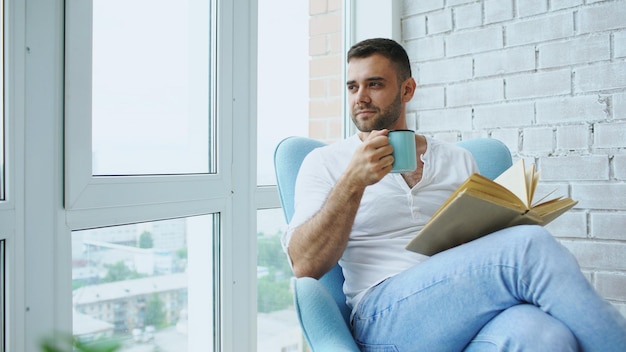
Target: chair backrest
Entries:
(288, 157)
(491, 155)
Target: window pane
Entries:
(277, 323)
(147, 284)
(150, 87)
(283, 78)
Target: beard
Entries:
(384, 118)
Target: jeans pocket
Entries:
(366, 347)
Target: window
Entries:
(277, 322)
(150, 88)
(149, 147)
(149, 92)
(146, 284)
(64, 182)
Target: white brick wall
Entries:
(548, 78)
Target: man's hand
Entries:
(372, 160)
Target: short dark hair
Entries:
(387, 48)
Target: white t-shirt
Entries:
(390, 213)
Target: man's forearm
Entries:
(317, 245)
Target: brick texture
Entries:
(608, 225)
(468, 16)
(547, 78)
(505, 61)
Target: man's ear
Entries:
(408, 89)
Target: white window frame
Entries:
(85, 193)
(11, 209)
(10, 216)
(42, 208)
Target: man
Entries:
(513, 289)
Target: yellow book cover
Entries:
(481, 206)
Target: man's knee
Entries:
(524, 328)
(536, 239)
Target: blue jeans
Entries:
(515, 289)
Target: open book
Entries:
(481, 206)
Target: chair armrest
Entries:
(320, 318)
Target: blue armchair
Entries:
(321, 304)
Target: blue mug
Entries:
(403, 143)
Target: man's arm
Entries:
(316, 245)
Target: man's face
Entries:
(374, 93)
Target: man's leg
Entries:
(523, 328)
(445, 301)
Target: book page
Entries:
(514, 179)
(532, 179)
(507, 200)
(489, 189)
(543, 199)
(552, 209)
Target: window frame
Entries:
(10, 212)
(38, 225)
(96, 200)
(84, 191)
